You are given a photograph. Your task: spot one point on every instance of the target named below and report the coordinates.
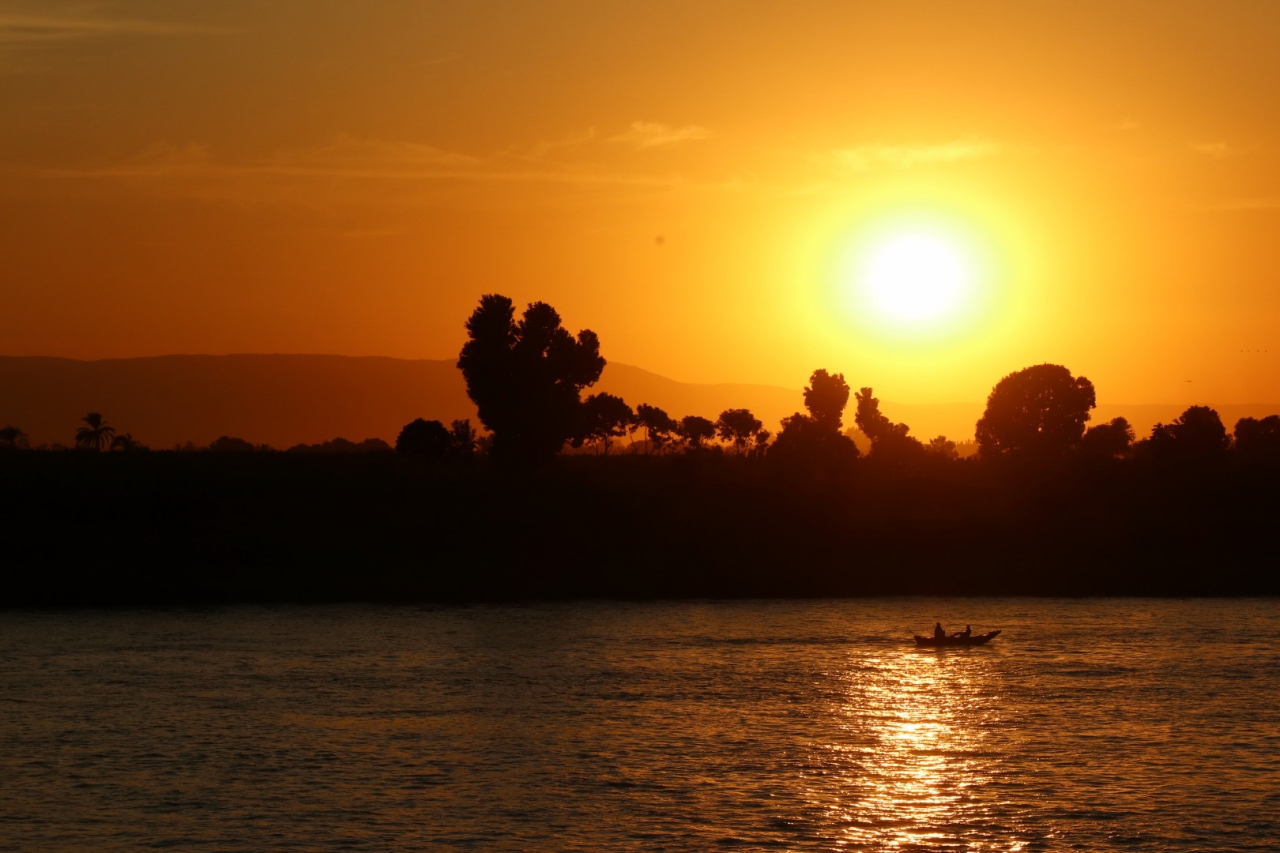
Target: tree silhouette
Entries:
(888, 439)
(463, 436)
(1039, 411)
(604, 418)
(12, 438)
(1107, 441)
(696, 431)
(96, 435)
(230, 444)
(659, 427)
(1195, 437)
(800, 435)
(1258, 439)
(343, 445)
(428, 439)
(869, 419)
(761, 439)
(525, 377)
(126, 442)
(943, 448)
(815, 439)
(825, 397)
(739, 427)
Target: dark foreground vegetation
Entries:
(694, 508)
(163, 527)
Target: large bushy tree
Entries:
(696, 431)
(604, 418)
(825, 397)
(741, 429)
(1107, 441)
(1258, 438)
(1038, 412)
(941, 447)
(659, 427)
(815, 439)
(1196, 436)
(429, 439)
(525, 377)
(435, 442)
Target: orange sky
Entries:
(340, 177)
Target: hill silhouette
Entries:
(279, 400)
(283, 400)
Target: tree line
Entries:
(527, 375)
(95, 435)
(98, 436)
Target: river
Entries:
(1104, 724)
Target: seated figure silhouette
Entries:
(938, 631)
(964, 634)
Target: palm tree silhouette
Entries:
(96, 435)
(12, 438)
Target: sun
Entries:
(916, 278)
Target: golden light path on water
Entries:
(914, 727)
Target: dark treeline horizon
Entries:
(527, 376)
(701, 508)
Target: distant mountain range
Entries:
(282, 400)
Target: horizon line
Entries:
(608, 362)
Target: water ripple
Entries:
(1091, 725)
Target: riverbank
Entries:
(83, 529)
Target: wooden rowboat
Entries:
(938, 642)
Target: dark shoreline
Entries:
(161, 529)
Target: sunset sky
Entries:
(706, 185)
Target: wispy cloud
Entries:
(1212, 150)
(570, 143)
(343, 157)
(649, 134)
(33, 30)
(348, 171)
(867, 157)
(348, 156)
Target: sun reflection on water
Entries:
(912, 756)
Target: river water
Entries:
(1087, 725)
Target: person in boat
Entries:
(938, 631)
(963, 635)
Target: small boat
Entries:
(972, 640)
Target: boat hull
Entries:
(948, 642)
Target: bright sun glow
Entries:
(916, 278)
(918, 281)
